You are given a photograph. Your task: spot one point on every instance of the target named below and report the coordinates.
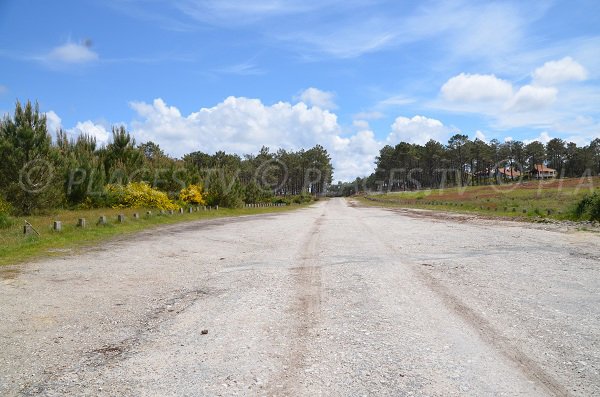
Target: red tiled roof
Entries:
(509, 172)
(542, 168)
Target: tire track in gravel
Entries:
(490, 335)
(305, 309)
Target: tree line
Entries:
(38, 173)
(460, 162)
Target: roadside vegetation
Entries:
(464, 162)
(39, 174)
(43, 180)
(17, 247)
(576, 199)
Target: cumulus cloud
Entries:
(419, 129)
(544, 137)
(555, 72)
(530, 98)
(355, 155)
(315, 97)
(480, 135)
(476, 87)
(101, 133)
(242, 125)
(72, 53)
(53, 122)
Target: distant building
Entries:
(509, 172)
(540, 171)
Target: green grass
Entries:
(554, 199)
(15, 247)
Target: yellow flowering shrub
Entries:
(138, 195)
(192, 195)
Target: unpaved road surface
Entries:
(334, 299)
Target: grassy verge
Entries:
(15, 247)
(554, 199)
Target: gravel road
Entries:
(335, 299)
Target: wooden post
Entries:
(81, 223)
(121, 218)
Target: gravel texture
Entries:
(335, 299)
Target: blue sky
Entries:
(350, 75)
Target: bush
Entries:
(137, 195)
(5, 220)
(224, 191)
(588, 207)
(192, 195)
(301, 198)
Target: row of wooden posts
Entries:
(549, 211)
(257, 205)
(82, 222)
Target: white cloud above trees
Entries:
(476, 87)
(315, 97)
(556, 72)
(72, 53)
(531, 98)
(542, 103)
(418, 129)
(88, 127)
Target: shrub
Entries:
(5, 220)
(588, 207)
(302, 198)
(137, 195)
(224, 190)
(192, 195)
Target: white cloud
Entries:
(480, 135)
(53, 122)
(242, 125)
(531, 98)
(555, 72)
(544, 137)
(247, 68)
(355, 155)
(315, 97)
(396, 100)
(368, 116)
(419, 129)
(361, 124)
(476, 87)
(72, 53)
(90, 128)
